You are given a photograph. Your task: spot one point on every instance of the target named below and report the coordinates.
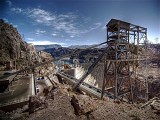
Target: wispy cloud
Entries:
(15, 26)
(66, 23)
(6, 20)
(38, 32)
(30, 39)
(44, 42)
(9, 3)
(104, 27)
(17, 10)
(72, 36)
(54, 34)
(95, 26)
(40, 16)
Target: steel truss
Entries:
(126, 43)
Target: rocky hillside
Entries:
(11, 44)
(84, 56)
(13, 48)
(63, 104)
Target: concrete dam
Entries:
(94, 79)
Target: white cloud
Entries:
(104, 27)
(44, 42)
(66, 23)
(72, 36)
(40, 16)
(6, 20)
(9, 3)
(38, 32)
(30, 39)
(15, 26)
(54, 34)
(17, 10)
(95, 26)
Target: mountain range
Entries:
(42, 47)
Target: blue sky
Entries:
(77, 22)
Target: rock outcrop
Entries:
(70, 106)
(154, 88)
(11, 44)
(61, 104)
(36, 103)
(13, 48)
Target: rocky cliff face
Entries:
(13, 48)
(11, 44)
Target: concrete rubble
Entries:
(153, 103)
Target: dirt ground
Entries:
(63, 104)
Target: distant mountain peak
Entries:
(42, 47)
(84, 46)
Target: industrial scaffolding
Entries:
(126, 52)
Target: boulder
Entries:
(75, 104)
(35, 103)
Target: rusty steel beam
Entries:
(120, 36)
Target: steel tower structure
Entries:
(126, 43)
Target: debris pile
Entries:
(153, 103)
(62, 103)
(36, 103)
(154, 88)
